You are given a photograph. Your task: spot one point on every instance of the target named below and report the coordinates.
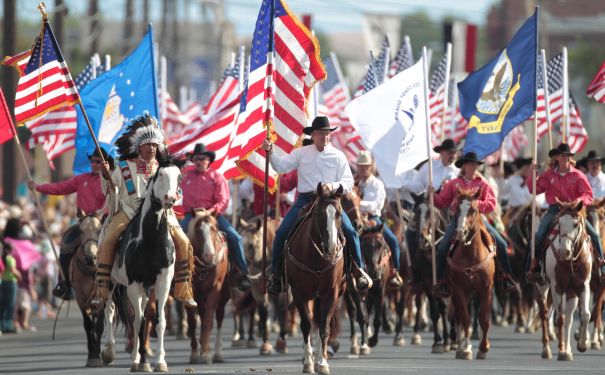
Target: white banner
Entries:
(392, 123)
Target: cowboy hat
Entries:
(469, 157)
(592, 155)
(319, 123)
(520, 162)
(106, 156)
(200, 149)
(446, 145)
(364, 158)
(563, 148)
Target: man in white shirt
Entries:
(315, 164)
(514, 189)
(595, 175)
(373, 195)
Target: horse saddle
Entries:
(70, 239)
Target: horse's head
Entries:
(90, 227)
(421, 217)
(328, 218)
(570, 224)
(164, 186)
(373, 247)
(467, 211)
(203, 229)
(595, 212)
(350, 204)
(252, 239)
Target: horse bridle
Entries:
(466, 230)
(578, 235)
(331, 201)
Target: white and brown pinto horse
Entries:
(568, 267)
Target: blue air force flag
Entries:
(391, 121)
(502, 94)
(124, 92)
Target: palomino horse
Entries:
(145, 259)
(595, 213)
(422, 244)
(82, 276)
(210, 288)
(314, 270)
(568, 267)
(471, 270)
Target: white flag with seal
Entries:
(392, 123)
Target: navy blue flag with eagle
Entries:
(502, 94)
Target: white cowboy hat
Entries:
(364, 158)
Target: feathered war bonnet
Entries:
(139, 131)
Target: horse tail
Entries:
(120, 300)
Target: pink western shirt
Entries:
(206, 189)
(447, 196)
(568, 187)
(87, 186)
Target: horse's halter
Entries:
(462, 235)
(579, 232)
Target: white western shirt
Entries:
(441, 173)
(314, 167)
(598, 184)
(516, 191)
(373, 196)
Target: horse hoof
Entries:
(582, 346)
(331, 352)
(206, 359)
(398, 341)
(447, 348)
(108, 355)
(251, 344)
(365, 350)
(520, 329)
(354, 350)
(335, 345)
(481, 355)
(416, 339)
(323, 369)
(438, 349)
(161, 367)
(468, 355)
(281, 346)
(144, 367)
(195, 359)
(218, 358)
(530, 330)
(373, 341)
(241, 343)
(94, 362)
(453, 347)
(309, 369)
(275, 327)
(546, 354)
(266, 349)
(595, 345)
(134, 367)
(564, 356)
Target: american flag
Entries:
(46, 83)
(383, 60)
(596, 88)
(514, 143)
(404, 58)
(369, 81)
(227, 90)
(334, 98)
(295, 69)
(577, 133)
(174, 122)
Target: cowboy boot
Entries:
(441, 289)
(182, 284)
(63, 288)
(362, 280)
(534, 274)
(243, 282)
(395, 280)
(274, 286)
(101, 291)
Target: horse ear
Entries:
(416, 197)
(80, 213)
(477, 194)
(243, 223)
(579, 206)
(319, 190)
(601, 203)
(259, 225)
(340, 190)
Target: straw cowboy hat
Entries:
(364, 158)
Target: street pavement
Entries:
(36, 353)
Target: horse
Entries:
(422, 244)
(314, 271)
(82, 268)
(471, 270)
(595, 214)
(568, 267)
(145, 259)
(210, 285)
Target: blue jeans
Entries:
(390, 239)
(8, 299)
(234, 240)
(444, 246)
(290, 219)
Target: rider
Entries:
(515, 190)
(373, 195)
(565, 183)
(206, 188)
(89, 198)
(469, 179)
(138, 147)
(595, 175)
(316, 163)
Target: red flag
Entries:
(7, 128)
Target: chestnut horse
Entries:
(314, 270)
(210, 289)
(595, 213)
(471, 270)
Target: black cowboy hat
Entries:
(563, 148)
(592, 155)
(469, 157)
(200, 149)
(319, 123)
(446, 145)
(582, 163)
(106, 156)
(520, 162)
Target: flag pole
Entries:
(425, 78)
(400, 215)
(446, 86)
(240, 82)
(565, 122)
(340, 75)
(535, 140)
(546, 97)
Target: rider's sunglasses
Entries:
(95, 161)
(199, 158)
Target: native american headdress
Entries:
(139, 131)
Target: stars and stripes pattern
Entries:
(514, 143)
(174, 122)
(293, 71)
(596, 88)
(333, 100)
(577, 133)
(403, 59)
(369, 80)
(383, 60)
(227, 90)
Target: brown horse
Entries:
(471, 270)
(210, 288)
(595, 214)
(314, 270)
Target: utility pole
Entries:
(95, 29)
(145, 16)
(128, 27)
(174, 45)
(59, 30)
(7, 78)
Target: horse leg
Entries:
(326, 311)
(305, 327)
(280, 310)
(89, 338)
(352, 316)
(465, 349)
(97, 334)
(596, 315)
(570, 306)
(169, 316)
(263, 314)
(378, 306)
(108, 354)
(437, 347)
(162, 290)
(207, 322)
(583, 342)
(447, 337)
(484, 320)
(251, 342)
(220, 315)
(135, 296)
(150, 313)
(416, 339)
(194, 358)
(543, 311)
